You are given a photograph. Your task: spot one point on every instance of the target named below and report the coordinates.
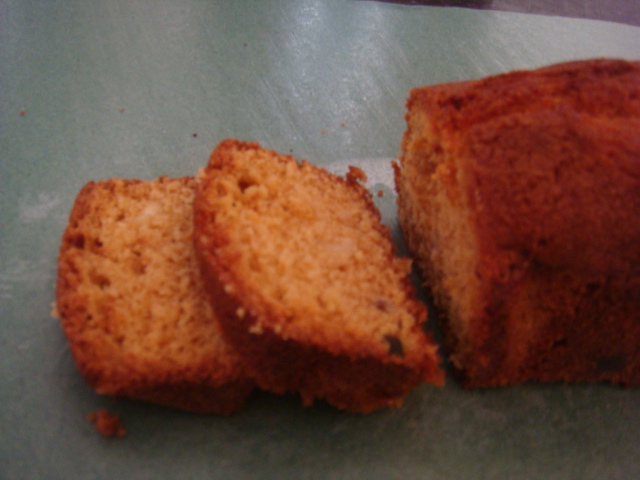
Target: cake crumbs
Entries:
(108, 424)
(356, 175)
(54, 312)
(22, 112)
(380, 193)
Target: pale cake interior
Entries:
(137, 306)
(327, 259)
(442, 236)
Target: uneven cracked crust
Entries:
(306, 281)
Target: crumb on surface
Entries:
(355, 175)
(54, 310)
(108, 424)
(22, 112)
(381, 193)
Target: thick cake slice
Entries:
(306, 281)
(519, 196)
(132, 303)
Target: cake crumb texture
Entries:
(518, 195)
(306, 281)
(132, 302)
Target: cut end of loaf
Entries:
(517, 197)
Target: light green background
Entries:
(132, 88)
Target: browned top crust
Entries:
(132, 302)
(605, 88)
(519, 194)
(551, 160)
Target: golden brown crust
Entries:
(132, 302)
(278, 241)
(542, 170)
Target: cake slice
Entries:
(306, 281)
(519, 197)
(132, 302)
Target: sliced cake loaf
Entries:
(306, 282)
(132, 303)
(519, 196)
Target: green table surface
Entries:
(92, 90)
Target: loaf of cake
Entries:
(306, 282)
(132, 303)
(519, 198)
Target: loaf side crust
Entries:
(518, 196)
